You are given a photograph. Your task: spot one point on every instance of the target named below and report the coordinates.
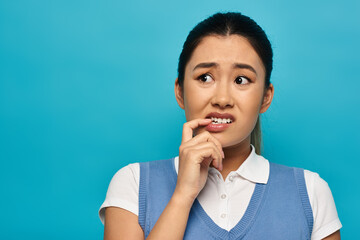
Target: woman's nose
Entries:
(222, 96)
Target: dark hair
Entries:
(225, 24)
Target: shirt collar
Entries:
(255, 168)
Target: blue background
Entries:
(86, 87)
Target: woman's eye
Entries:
(205, 78)
(242, 80)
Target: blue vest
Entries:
(277, 210)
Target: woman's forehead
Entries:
(225, 51)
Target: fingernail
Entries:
(223, 154)
(215, 164)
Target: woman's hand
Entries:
(195, 156)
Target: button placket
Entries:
(224, 208)
(222, 196)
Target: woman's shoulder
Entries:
(314, 183)
(318, 189)
(131, 172)
(126, 175)
(314, 180)
(128, 170)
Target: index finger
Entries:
(189, 127)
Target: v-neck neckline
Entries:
(240, 229)
(244, 223)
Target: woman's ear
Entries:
(268, 97)
(179, 94)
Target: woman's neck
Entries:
(235, 156)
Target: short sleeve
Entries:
(326, 220)
(123, 190)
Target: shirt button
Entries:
(223, 196)
(223, 215)
(231, 178)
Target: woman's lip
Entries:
(217, 127)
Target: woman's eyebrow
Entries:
(206, 65)
(235, 65)
(246, 66)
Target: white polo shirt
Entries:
(232, 195)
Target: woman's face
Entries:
(225, 75)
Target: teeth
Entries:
(220, 120)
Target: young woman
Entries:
(220, 187)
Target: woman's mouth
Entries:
(218, 124)
(219, 121)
